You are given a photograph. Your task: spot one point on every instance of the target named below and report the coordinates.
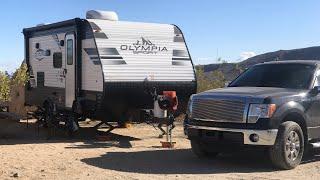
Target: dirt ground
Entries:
(132, 153)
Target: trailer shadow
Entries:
(13, 132)
(182, 161)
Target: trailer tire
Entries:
(48, 107)
(48, 118)
(201, 150)
(288, 149)
(72, 124)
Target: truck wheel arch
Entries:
(300, 120)
(293, 111)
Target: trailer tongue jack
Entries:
(165, 106)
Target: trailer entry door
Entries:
(70, 70)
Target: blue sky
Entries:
(230, 29)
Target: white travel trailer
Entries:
(103, 68)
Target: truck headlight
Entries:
(190, 103)
(257, 111)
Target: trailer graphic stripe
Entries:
(91, 51)
(177, 30)
(179, 63)
(103, 51)
(180, 53)
(110, 57)
(108, 51)
(178, 39)
(100, 35)
(96, 62)
(114, 62)
(181, 59)
(95, 27)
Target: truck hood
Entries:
(252, 94)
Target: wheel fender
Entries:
(289, 108)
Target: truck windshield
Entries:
(292, 76)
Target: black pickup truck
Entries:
(275, 106)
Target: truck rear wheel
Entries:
(201, 150)
(288, 149)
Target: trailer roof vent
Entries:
(106, 15)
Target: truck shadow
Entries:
(181, 161)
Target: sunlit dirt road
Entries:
(132, 153)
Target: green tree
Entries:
(21, 76)
(218, 79)
(214, 80)
(4, 87)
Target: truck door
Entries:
(314, 112)
(70, 70)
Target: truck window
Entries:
(57, 60)
(294, 76)
(69, 51)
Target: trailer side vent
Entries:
(106, 15)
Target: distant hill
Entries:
(310, 53)
(231, 70)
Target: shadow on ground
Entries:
(182, 161)
(13, 132)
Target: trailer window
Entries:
(69, 51)
(57, 60)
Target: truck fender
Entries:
(295, 109)
(289, 108)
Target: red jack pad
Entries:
(166, 144)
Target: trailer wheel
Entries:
(201, 150)
(72, 124)
(288, 149)
(77, 112)
(48, 114)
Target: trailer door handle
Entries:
(64, 72)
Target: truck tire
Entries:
(201, 150)
(288, 149)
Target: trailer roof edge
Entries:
(70, 22)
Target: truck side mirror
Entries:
(315, 91)
(226, 84)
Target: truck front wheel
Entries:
(288, 149)
(201, 150)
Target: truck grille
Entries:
(218, 110)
